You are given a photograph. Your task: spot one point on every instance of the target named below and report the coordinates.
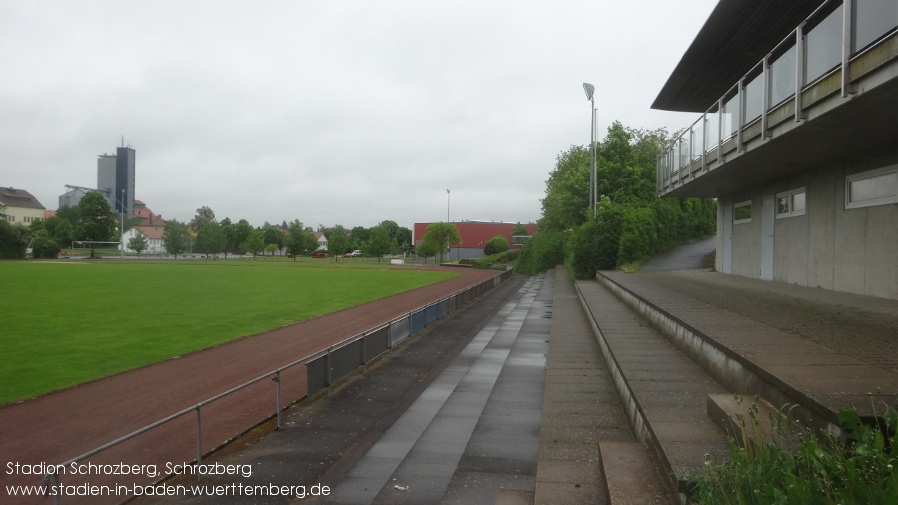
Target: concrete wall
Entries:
(831, 247)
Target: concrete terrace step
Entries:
(630, 475)
(580, 407)
(664, 393)
(750, 357)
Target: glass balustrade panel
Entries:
(823, 47)
(873, 18)
(754, 97)
(782, 77)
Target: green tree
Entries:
(300, 239)
(495, 245)
(229, 230)
(43, 246)
(211, 239)
(567, 191)
(175, 238)
(204, 215)
(13, 240)
(138, 243)
(442, 236)
(273, 235)
(519, 230)
(428, 249)
(403, 239)
(242, 231)
(95, 222)
(337, 240)
(379, 242)
(391, 227)
(68, 213)
(254, 243)
(632, 222)
(358, 237)
(60, 230)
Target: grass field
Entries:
(64, 323)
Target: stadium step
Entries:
(630, 475)
(663, 392)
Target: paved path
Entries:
(475, 430)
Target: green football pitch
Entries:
(65, 323)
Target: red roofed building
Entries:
(148, 219)
(474, 234)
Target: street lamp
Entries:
(122, 234)
(447, 205)
(590, 90)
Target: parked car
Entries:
(353, 254)
(319, 254)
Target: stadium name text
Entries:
(152, 471)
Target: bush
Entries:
(638, 235)
(495, 245)
(43, 246)
(501, 259)
(543, 251)
(13, 240)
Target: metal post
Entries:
(122, 235)
(595, 161)
(330, 386)
(799, 71)
(277, 381)
(847, 22)
(199, 438)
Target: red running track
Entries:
(56, 427)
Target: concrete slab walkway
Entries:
(449, 446)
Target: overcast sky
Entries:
(330, 112)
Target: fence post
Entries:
(365, 354)
(277, 380)
(199, 437)
(330, 388)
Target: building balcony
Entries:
(843, 60)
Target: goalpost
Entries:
(94, 243)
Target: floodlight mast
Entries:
(590, 91)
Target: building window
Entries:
(874, 187)
(790, 203)
(742, 212)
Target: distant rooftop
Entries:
(12, 197)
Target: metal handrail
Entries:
(52, 475)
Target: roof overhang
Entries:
(736, 36)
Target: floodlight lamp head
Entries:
(589, 89)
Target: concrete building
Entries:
(474, 234)
(806, 181)
(116, 179)
(21, 206)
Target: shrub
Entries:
(498, 260)
(543, 251)
(43, 246)
(495, 245)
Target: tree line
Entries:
(631, 223)
(92, 220)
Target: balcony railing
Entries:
(837, 33)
